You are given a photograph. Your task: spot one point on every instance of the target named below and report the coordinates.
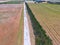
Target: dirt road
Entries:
(26, 28)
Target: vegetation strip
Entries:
(40, 35)
(12, 2)
(20, 33)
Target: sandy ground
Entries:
(9, 23)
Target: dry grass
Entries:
(49, 18)
(20, 34)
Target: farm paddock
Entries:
(48, 16)
(10, 15)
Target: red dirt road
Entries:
(9, 23)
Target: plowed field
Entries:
(9, 23)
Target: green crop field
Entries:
(48, 16)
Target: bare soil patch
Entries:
(9, 23)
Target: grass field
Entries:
(48, 16)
